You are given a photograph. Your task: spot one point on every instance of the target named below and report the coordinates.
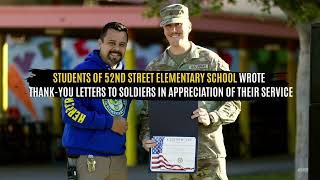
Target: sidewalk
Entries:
(260, 165)
(58, 171)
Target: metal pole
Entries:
(244, 121)
(132, 139)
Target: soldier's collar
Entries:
(193, 52)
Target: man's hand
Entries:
(119, 125)
(147, 144)
(202, 115)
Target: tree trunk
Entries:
(303, 101)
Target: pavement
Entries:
(57, 171)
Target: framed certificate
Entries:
(173, 154)
(176, 136)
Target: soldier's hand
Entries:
(147, 144)
(119, 125)
(202, 115)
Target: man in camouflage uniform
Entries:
(182, 54)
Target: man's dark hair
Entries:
(113, 25)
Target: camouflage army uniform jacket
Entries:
(211, 144)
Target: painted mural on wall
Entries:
(274, 61)
(37, 52)
(230, 56)
(145, 54)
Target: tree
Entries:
(301, 14)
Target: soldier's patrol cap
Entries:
(174, 13)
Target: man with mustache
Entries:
(95, 129)
(184, 55)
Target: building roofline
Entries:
(82, 17)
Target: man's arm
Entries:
(76, 113)
(227, 111)
(144, 113)
(144, 119)
(144, 136)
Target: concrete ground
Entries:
(57, 171)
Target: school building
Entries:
(59, 34)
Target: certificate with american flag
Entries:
(173, 154)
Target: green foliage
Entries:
(154, 7)
(193, 6)
(265, 4)
(307, 12)
(298, 11)
(196, 7)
